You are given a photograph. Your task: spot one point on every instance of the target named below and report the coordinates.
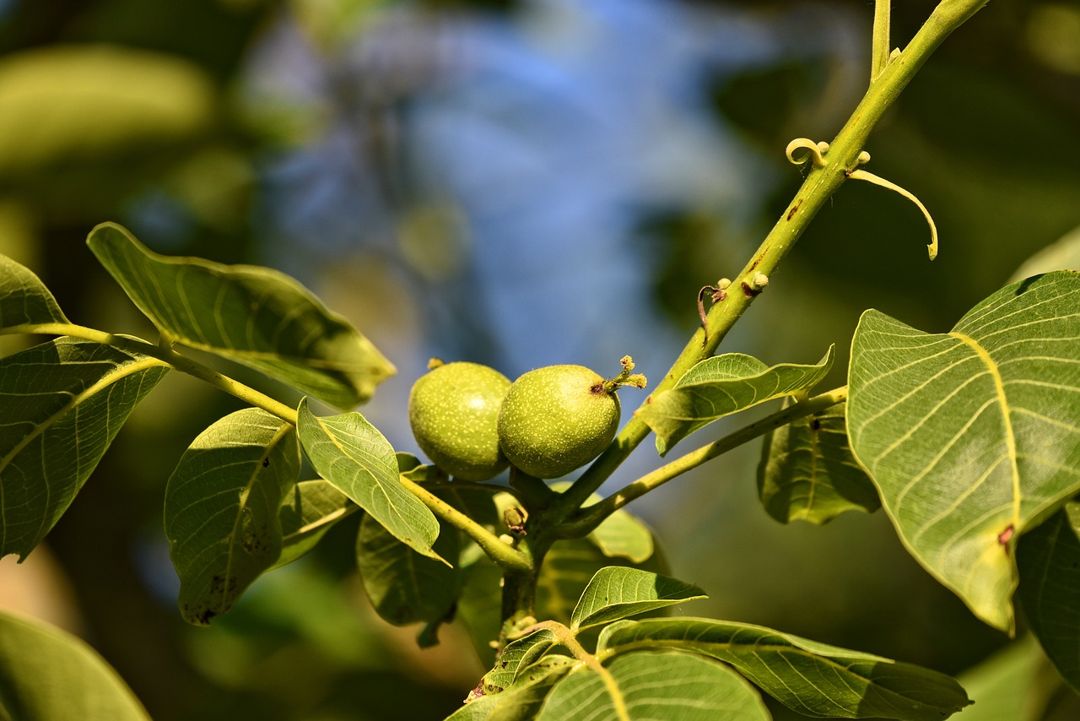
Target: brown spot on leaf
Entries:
(1005, 536)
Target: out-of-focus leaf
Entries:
(1062, 255)
(24, 298)
(808, 677)
(221, 509)
(807, 472)
(623, 535)
(249, 314)
(64, 401)
(49, 675)
(616, 592)
(520, 702)
(723, 385)
(1017, 684)
(1049, 562)
(63, 104)
(971, 436)
(310, 509)
(649, 685)
(356, 459)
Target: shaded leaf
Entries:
(310, 509)
(64, 401)
(617, 592)
(971, 436)
(807, 472)
(1018, 684)
(520, 702)
(252, 315)
(404, 586)
(1049, 562)
(355, 458)
(650, 685)
(49, 675)
(808, 677)
(221, 509)
(24, 298)
(723, 385)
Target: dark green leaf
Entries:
(1049, 561)
(221, 509)
(617, 592)
(808, 677)
(24, 298)
(971, 436)
(49, 675)
(651, 685)
(723, 385)
(404, 586)
(310, 509)
(252, 315)
(807, 472)
(64, 402)
(352, 455)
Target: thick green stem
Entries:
(592, 516)
(880, 47)
(819, 186)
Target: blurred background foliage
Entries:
(517, 183)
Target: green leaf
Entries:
(221, 509)
(1049, 561)
(971, 436)
(404, 586)
(24, 298)
(352, 455)
(623, 535)
(49, 675)
(310, 509)
(64, 401)
(520, 702)
(516, 656)
(808, 677)
(1018, 684)
(618, 592)
(650, 685)
(807, 472)
(723, 385)
(1062, 255)
(252, 315)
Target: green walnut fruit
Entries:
(454, 413)
(556, 419)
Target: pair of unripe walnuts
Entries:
(473, 422)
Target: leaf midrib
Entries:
(1006, 418)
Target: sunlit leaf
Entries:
(807, 472)
(723, 385)
(221, 509)
(24, 298)
(617, 592)
(356, 459)
(623, 535)
(808, 677)
(1049, 562)
(252, 315)
(64, 402)
(651, 685)
(520, 702)
(49, 675)
(972, 436)
(310, 509)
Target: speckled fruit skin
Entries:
(454, 412)
(556, 419)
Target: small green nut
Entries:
(556, 419)
(454, 412)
